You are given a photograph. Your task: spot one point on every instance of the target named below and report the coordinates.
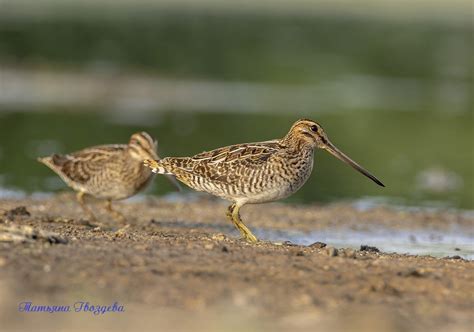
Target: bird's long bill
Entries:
(341, 156)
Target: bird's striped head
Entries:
(309, 134)
(143, 146)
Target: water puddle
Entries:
(416, 242)
(20, 194)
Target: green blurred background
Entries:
(392, 84)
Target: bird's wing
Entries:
(83, 165)
(226, 164)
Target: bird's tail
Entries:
(156, 166)
(44, 160)
(54, 161)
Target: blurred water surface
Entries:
(416, 165)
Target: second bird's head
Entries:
(142, 146)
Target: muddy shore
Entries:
(179, 266)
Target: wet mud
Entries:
(180, 266)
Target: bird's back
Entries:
(250, 172)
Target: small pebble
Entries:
(413, 272)
(218, 237)
(350, 253)
(331, 252)
(154, 222)
(318, 245)
(18, 211)
(365, 247)
(453, 257)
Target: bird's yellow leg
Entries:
(116, 215)
(234, 215)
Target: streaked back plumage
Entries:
(248, 173)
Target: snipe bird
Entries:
(255, 172)
(110, 172)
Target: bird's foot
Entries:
(121, 232)
(248, 236)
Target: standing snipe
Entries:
(110, 172)
(255, 172)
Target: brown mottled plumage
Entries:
(255, 172)
(110, 172)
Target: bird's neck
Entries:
(297, 144)
(139, 153)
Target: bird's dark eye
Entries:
(136, 142)
(314, 128)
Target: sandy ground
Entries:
(179, 266)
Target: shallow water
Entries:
(416, 242)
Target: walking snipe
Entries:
(255, 172)
(110, 172)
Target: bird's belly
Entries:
(118, 187)
(274, 193)
(269, 195)
(271, 190)
(114, 191)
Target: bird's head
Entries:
(142, 146)
(309, 134)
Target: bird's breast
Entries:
(281, 178)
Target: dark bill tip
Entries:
(341, 156)
(373, 178)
